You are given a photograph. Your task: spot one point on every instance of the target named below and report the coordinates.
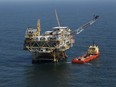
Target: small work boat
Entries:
(92, 53)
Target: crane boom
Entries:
(86, 25)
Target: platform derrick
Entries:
(52, 45)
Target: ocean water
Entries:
(16, 69)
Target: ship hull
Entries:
(85, 60)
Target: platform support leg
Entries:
(55, 59)
(34, 57)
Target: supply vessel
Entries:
(52, 45)
(92, 53)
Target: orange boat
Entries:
(92, 53)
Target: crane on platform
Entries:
(86, 25)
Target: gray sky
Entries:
(50, 0)
(57, 0)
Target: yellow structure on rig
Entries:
(31, 33)
(38, 28)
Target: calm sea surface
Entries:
(16, 69)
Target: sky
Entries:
(64, 1)
(54, 0)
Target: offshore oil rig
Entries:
(52, 45)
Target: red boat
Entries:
(92, 53)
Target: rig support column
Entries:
(55, 59)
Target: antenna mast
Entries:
(57, 18)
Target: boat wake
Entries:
(68, 62)
(89, 64)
